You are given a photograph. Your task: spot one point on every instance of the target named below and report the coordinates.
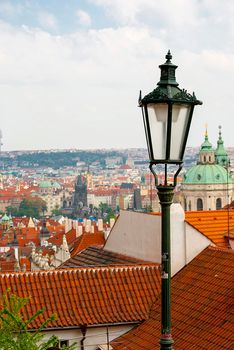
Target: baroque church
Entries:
(208, 185)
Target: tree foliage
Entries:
(58, 159)
(14, 330)
(31, 207)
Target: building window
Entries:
(199, 204)
(62, 343)
(185, 204)
(218, 203)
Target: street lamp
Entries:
(167, 114)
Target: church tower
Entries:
(80, 195)
(221, 155)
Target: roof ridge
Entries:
(84, 269)
(218, 248)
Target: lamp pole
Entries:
(165, 194)
(167, 114)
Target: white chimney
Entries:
(89, 223)
(23, 268)
(69, 224)
(79, 231)
(100, 225)
(87, 228)
(66, 225)
(112, 222)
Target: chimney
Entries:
(100, 225)
(66, 225)
(69, 224)
(87, 228)
(89, 223)
(112, 222)
(23, 268)
(79, 231)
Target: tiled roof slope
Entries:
(87, 240)
(202, 307)
(96, 256)
(57, 239)
(87, 295)
(213, 224)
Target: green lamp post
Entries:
(167, 114)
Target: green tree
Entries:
(12, 210)
(34, 207)
(107, 212)
(57, 211)
(14, 330)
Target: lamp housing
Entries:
(167, 115)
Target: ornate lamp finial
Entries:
(168, 72)
(168, 56)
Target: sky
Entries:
(71, 71)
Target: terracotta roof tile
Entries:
(202, 307)
(87, 295)
(214, 224)
(57, 239)
(87, 240)
(96, 256)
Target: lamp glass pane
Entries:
(180, 119)
(158, 114)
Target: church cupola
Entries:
(207, 153)
(221, 155)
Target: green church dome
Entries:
(5, 218)
(56, 185)
(45, 184)
(207, 174)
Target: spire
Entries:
(206, 133)
(206, 154)
(221, 155)
(206, 145)
(65, 245)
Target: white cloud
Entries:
(83, 18)
(81, 89)
(8, 9)
(47, 21)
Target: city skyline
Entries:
(70, 72)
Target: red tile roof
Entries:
(87, 296)
(202, 307)
(213, 224)
(57, 239)
(87, 240)
(96, 256)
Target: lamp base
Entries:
(166, 342)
